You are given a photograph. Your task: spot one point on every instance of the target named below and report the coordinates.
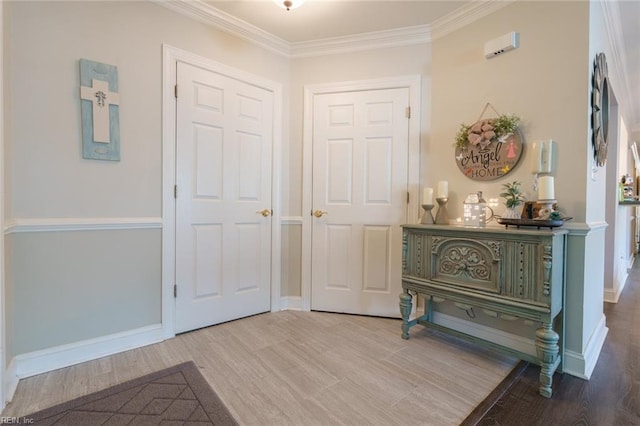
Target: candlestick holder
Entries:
(442, 217)
(545, 208)
(427, 217)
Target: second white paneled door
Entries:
(223, 207)
(360, 184)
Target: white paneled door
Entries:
(360, 165)
(223, 205)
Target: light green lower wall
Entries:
(8, 297)
(584, 288)
(66, 287)
(291, 261)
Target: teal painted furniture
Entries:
(506, 273)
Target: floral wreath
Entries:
(485, 131)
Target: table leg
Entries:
(405, 310)
(547, 349)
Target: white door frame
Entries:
(170, 56)
(413, 83)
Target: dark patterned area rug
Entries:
(178, 395)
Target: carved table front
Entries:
(507, 273)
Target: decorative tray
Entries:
(533, 222)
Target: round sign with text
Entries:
(490, 161)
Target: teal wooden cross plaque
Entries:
(99, 111)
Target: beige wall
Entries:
(70, 286)
(291, 261)
(546, 82)
(43, 70)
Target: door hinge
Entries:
(407, 197)
(175, 191)
(407, 112)
(175, 91)
(175, 290)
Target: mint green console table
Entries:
(506, 273)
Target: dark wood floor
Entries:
(610, 397)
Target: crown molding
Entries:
(202, 12)
(465, 15)
(618, 59)
(420, 34)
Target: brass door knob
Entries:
(265, 212)
(319, 213)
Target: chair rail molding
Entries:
(21, 225)
(291, 220)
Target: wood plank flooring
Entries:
(610, 397)
(303, 368)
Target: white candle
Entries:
(545, 188)
(427, 196)
(443, 189)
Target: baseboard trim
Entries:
(582, 365)
(499, 337)
(38, 362)
(291, 303)
(10, 381)
(612, 295)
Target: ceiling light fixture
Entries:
(289, 4)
